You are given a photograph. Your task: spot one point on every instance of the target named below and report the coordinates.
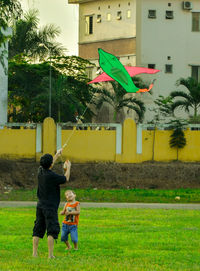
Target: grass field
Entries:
(117, 195)
(109, 239)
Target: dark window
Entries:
(168, 68)
(195, 73)
(151, 66)
(119, 15)
(169, 14)
(196, 21)
(152, 13)
(89, 25)
(98, 18)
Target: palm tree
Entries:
(34, 42)
(120, 99)
(189, 100)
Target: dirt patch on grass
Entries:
(149, 175)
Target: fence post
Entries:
(58, 136)
(38, 141)
(129, 134)
(49, 136)
(139, 138)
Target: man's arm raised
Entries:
(58, 153)
(67, 168)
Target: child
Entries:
(71, 211)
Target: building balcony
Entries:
(79, 1)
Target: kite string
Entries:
(81, 117)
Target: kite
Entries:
(114, 70)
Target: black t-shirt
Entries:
(48, 191)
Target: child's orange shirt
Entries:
(71, 219)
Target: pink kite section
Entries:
(131, 70)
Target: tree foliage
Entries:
(187, 100)
(29, 92)
(32, 41)
(119, 99)
(177, 138)
(162, 110)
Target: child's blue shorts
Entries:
(72, 229)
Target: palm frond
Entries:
(139, 112)
(49, 32)
(182, 94)
(182, 104)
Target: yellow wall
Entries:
(162, 149)
(89, 145)
(17, 143)
(97, 145)
(49, 136)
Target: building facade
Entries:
(159, 34)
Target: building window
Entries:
(169, 4)
(119, 15)
(151, 66)
(169, 58)
(108, 17)
(152, 14)
(195, 73)
(99, 18)
(196, 21)
(168, 68)
(89, 25)
(128, 14)
(169, 14)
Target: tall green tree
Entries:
(177, 138)
(189, 99)
(162, 110)
(31, 40)
(119, 99)
(29, 92)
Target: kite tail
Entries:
(146, 89)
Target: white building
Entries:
(161, 34)
(4, 81)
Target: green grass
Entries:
(117, 195)
(109, 240)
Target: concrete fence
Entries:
(122, 143)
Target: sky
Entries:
(60, 13)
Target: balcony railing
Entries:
(79, 1)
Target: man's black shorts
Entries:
(46, 219)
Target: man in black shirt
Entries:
(48, 194)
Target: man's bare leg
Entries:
(50, 246)
(35, 245)
(68, 245)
